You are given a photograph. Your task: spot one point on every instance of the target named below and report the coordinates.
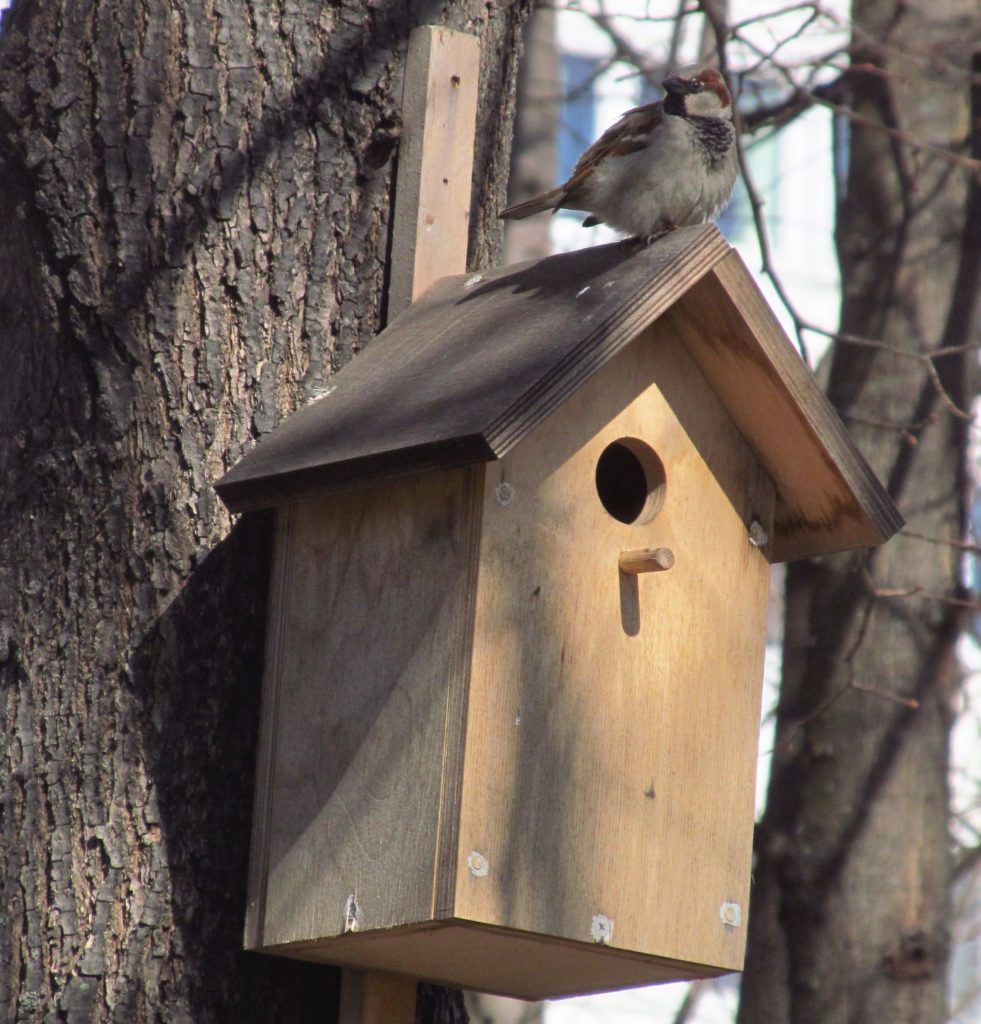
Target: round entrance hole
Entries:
(630, 481)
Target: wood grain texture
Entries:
(480, 360)
(372, 662)
(612, 723)
(471, 366)
(432, 201)
(515, 751)
(377, 997)
(430, 231)
(645, 560)
(274, 680)
(194, 229)
(828, 497)
(495, 960)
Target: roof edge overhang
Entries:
(603, 296)
(481, 359)
(828, 498)
(282, 488)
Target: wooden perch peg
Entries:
(432, 198)
(646, 560)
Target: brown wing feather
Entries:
(628, 135)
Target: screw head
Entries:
(504, 493)
(731, 914)
(478, 864)
(757, 535)
(601, 929)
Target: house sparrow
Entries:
(660, 167)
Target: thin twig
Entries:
(755, 202)
(943, 153)
(695, 992)
(959, 545)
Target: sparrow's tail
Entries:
(548, 201)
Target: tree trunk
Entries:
(193, 238)
(850, 910)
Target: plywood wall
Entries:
(367, 664)
(613, 720)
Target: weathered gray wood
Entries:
(430, 229)
(472, 366)
(366, 689)
(432, 199)
(481, 359)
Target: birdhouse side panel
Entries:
(613, 718)
(364, 694)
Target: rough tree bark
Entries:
(850, 909)
(193, 238)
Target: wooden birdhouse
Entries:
(517, 622)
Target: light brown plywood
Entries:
(613, 719)
(495, 960)
(376, 997)
(366, 689)
(829, 498)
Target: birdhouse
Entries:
(517, 620)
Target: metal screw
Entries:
(352, 914)
(504, 493)
(478, 864)
(731, 914)
(602, 929)
(757, 535)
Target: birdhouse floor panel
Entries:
(613, 720)
(496, 960)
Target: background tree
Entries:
(851, 913)
(851, 909)
(193, 238)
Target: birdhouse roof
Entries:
(480, 359)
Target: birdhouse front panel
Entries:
(612, 726)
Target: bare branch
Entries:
(695, 992)
(967, 862)
(967, 162)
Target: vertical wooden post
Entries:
(429, 240)
(374, 997)
(435, 169)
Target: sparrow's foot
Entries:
(648, 240)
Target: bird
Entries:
(661, 166)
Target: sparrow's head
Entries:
(697, 91)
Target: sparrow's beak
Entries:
(676, 86)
